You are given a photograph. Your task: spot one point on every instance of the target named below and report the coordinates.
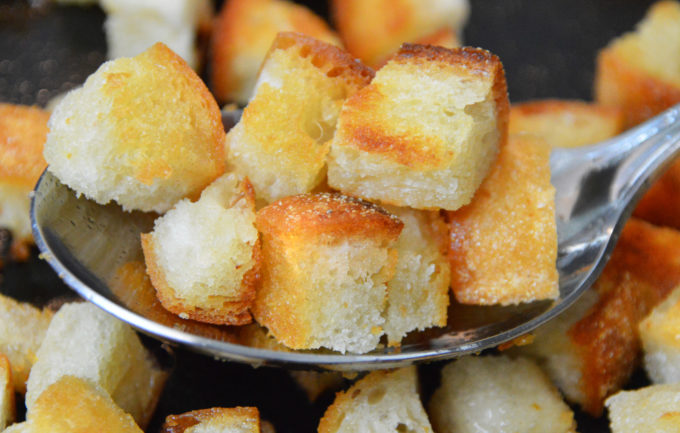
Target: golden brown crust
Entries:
(9, 410)
(179, 423)
(23, 131)
(661, 204)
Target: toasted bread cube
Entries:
(661, 204)
(7, 404)
(373, 30)
(426, 130)
(207, 271)
(244, 31)
(498, 394)
(22, 329)
(565, 123)
(22, 135)
(418, 294)
(327, 259)
(383, 401)
(660, 336)
(215, 420)
(503, 245)
(651, 409)
(132, 26)
(282, 139)
(143, 131)
(316, 383)
(640, 71)
(86, 342)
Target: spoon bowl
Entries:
(596, 189)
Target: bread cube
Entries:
(143, 131)
(418, 294)
(204, 257)
(316, 383)
(565, 123)
(661, 204)
(327, 259)
(372, 30)
(640, 71)
(85, 342)
(660, 336)
(22, 329)
(651, 409)
(426, 130)
(282, 139)
(244, 31)
(7, 404)
(216, 419)
(498, 394)
(503, 245)
(132, 26)
(22, 135)
(380, 402)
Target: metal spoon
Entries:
(597, 187)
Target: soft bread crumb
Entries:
(7, 404)
(660, 336)
(213, 420)
(651, 409)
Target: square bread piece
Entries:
(661, 204)
(498, 395)
(640, 71)
(503, 245)
(7, 403)
(418, 294)
(22, 134)
(244, 31)
(383, 401)
(566, 123)
(373, 30)
(283, 137)
(203, 257)
(327, 259)
(214, 420)
(654, 408)
(660, 336)
(22, 329)
(426, 130)
(86, 342)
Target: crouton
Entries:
(651, 409)
(283, 137)
(418, 294)
(503, 245)
(7, 404)
(317, 383)
(132, 26)
(660, 336)
(640, 71)
(216, 419)
(22, 135)
(22, 329)
(381, 401)
(143, 131)
(244, 31)
(565, 123)
(426, 130)
(327, 259)
(498, 394)
(86, 342)
(207, 271)
(661, 204)
(372, 30)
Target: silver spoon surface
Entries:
(596, 189)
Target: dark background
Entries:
(548, 49)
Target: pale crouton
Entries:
(283, 137)
(316, 383)
(244, 31)
(7, 404)
(383, 401)
(640, 71)
(661, 204)
(326, 261)
(22, 135)
(132, 26)
(565, 123)
(660, 336)
(418, 294)
(651, 409)
(374, 29)
(214, 420)
(207, 271)
(498, 394)
(22, 329)
(86, 342)
(426, 130)
(503, 245)
(143, 131)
